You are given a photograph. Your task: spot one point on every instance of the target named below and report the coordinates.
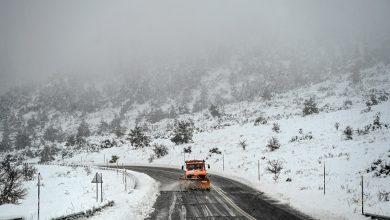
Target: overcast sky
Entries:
(45, 37)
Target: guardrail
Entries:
(87, 213)
(12, 218)
(379, 217)
(100, 167)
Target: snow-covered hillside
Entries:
(300, 183)
(285, 97)
(241, 132)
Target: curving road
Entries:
(227, 199)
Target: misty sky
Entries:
(45, 37)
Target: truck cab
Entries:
(195, 175)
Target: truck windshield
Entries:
(194, 166)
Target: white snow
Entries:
(303, 161)
(68, 190)
(346, 160)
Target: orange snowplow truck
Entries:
(195, 176)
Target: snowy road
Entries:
(227, 199)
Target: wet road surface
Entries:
(227, 199)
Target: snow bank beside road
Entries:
(137, 204)
(67, 190)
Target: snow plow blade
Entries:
(195, 184)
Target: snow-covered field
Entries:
(66, 190)
(303, 161)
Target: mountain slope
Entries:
(300, 183)
(306, 142)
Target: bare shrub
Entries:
(107, 143)
(302, 136)
(372, 101)
(384, 196)
(348, 132)
(114, 159)
(273, 144)
(151, 159)
(276, 127)
(243, 144)
(368, 109)
(274, 167)
(160, 150)
(376, 125)
(187, 150)
(214, 150)
(87, 169)
(260, 120)
(347, 103)
(380, 168)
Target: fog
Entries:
(42, 38)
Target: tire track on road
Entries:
(238, 209)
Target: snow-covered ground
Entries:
(66, 190)
(346, 161)
(303, 161)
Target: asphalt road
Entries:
(227, 199)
